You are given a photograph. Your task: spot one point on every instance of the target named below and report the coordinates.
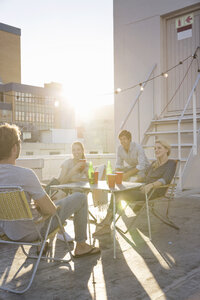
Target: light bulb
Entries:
(56, 103)
(118, 90)
(141, 87)
(165, 75)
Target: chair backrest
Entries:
(13, 204)
(171, 190)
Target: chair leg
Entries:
(134, 220)
(122, 212)
(32, 276)
(166, 220)
(93, 217)
(38, 258)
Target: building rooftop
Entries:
(10, 29)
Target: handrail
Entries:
(191, 96)
(137, 97)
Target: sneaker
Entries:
(68, 237)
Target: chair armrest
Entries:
(41, 219)
(165, 186)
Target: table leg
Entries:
(114, 228)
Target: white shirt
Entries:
(135, 157)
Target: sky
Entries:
(66, 41)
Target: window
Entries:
(1, 97)
(16, 115)
(29, 153)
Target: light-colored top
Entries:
(11, 175)
(68, 164)
(135, 157)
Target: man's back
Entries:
(11, 175)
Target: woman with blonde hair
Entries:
(160, 172)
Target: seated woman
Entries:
(72, 170)
(159, 173)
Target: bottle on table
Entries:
(91, 173)
(108, 169)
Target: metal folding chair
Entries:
(149, 204)
(14, 207)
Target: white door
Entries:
(182, 78)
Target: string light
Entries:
(164, 74)
(118, 90)
(141, 87)
(56, 103)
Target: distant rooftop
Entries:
(10, 29)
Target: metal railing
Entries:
(194, 113)
(137, 101)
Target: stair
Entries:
(167, 129)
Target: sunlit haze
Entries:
(69, 42)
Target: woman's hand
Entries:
(147, 188)
(79, 166)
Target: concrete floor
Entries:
(168, 267)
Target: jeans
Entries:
(76, 204)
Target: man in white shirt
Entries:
(131, 153)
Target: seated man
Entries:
(131, 153)
(40, 203)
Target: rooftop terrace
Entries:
(168, 267)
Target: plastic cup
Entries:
(96, 175)
(83, 160)
(119, 177)
(111, 180)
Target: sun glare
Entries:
(84, 101)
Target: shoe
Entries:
(68, 237)
(103, 230)
(92, 251)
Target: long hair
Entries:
(82, 147)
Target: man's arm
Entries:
(45, 205)
(119, 160)
(131, 172)
(142, 159)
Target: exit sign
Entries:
(184, 26)
(184, 20)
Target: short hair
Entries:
(9, 136)
(125, 133)
(82, 147)
(164, 144)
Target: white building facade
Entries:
(146, 35)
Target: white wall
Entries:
(48, 166)
(138, 44)
(58, 136)
(64, 135)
